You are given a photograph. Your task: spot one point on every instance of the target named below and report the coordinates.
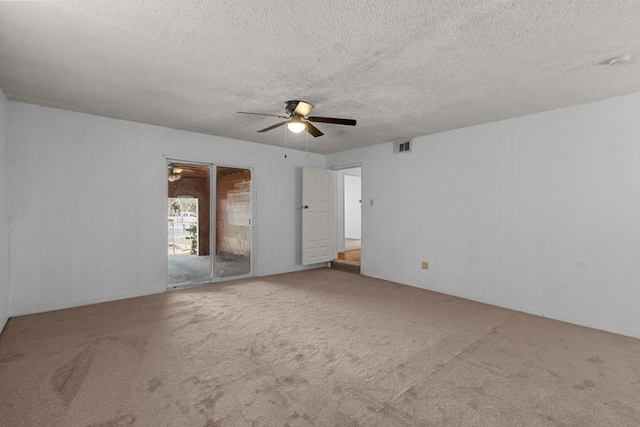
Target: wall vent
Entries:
(402, 146)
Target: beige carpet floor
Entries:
(314, 348)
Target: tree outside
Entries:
(177, 205)
(183, 235)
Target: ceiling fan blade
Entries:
(263, 114)
(313, 130)
(272, 127)
(348, 122)
(302, 109)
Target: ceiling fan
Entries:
(297, 119)
(175, 172)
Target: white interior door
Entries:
(317, 215)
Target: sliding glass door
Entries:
(209, 223)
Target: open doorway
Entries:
(349, 221)
(352, 216)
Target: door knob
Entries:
(305, 207)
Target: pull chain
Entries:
(285, 141)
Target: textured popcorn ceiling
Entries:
(401, 68)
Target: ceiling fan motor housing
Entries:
(290, 106)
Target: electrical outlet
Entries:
(425, 265)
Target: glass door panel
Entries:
(189, 218)
(233, 222)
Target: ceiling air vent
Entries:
(402, 146)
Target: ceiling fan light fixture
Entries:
(296, 126)
(173, 177)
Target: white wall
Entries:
(539, 214)
(88, 216)
(352, 211)
(5, 309)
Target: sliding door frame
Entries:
(213, 168)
